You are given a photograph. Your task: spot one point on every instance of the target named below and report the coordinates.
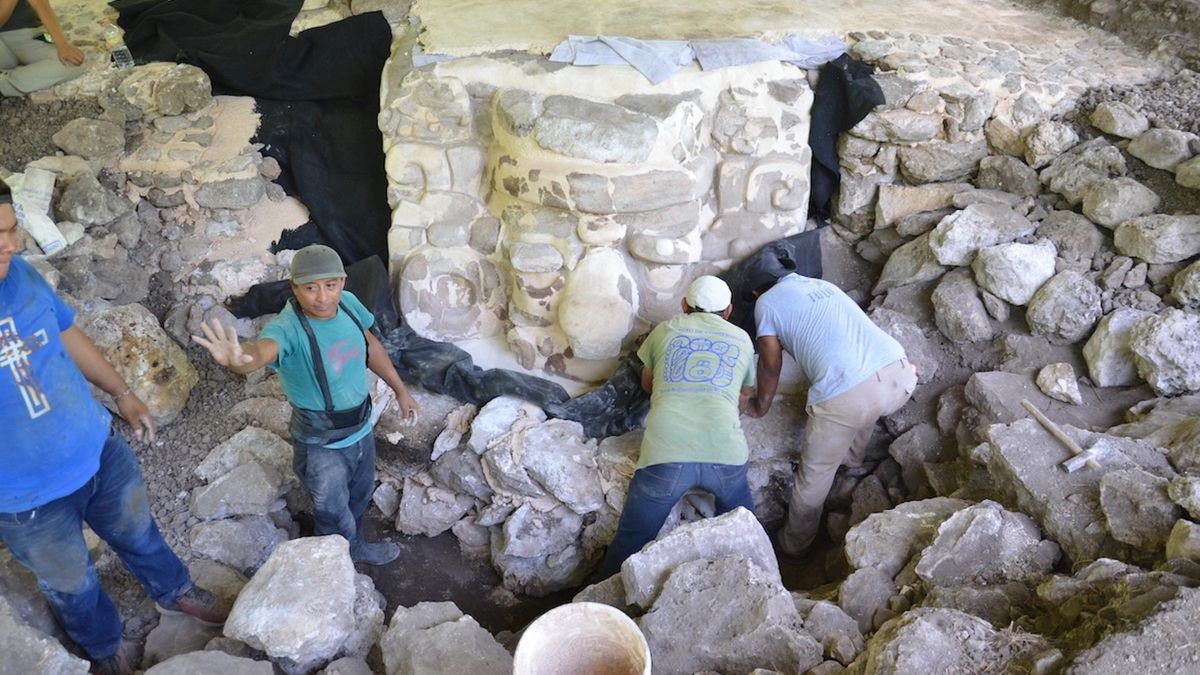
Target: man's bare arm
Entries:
(99, 371)
(68, 53)
(770, 362)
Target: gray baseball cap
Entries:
(316, 262)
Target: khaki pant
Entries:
(837, 433)
(29, 64)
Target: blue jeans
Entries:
(653, 493)
(49, 541)
(340, 482)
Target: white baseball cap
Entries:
(708, 294)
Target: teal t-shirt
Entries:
(343, 351)
(700, 364)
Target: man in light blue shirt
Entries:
(857, 372)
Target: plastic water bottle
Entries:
(114, 39)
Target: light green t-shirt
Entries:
(343, 350)
(700, 364)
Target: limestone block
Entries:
(596, 132)
(599, 305)
(1119, 119)
(1184, 541)
(1008, 174)
(855, 198)
(887, 540)
(1075, 238)
(348, 665)
(201, 662)
(1070, 173)
(461, 470)
(529, 533)
(735, 533)
(1057, 380)
(28, 650)
(416, 168)
(504, 468)
(451, 294)
(436, 637)
(1162, 148)
(739, 616)
(539, 575)
(967, 107)
(897, 201)
(898, 125)
(1187, 173)
(734, 236)
(221, 580)
(427, 107)
(920, 349)
(90, 139)
(1184, 490)
(167, 89)
(1065, 308)
(88, 203)
(833, 628)
(430, 510)
(563, 461)
(1013, 272)
(176, 634)
(1185, 286)
(915, 448)
(958, 311)
(743, 125)
(250, 444)
(959, 235)
(913, 262)
(864, 593)
(1159, 238)
(231, 193)
(1137, 508)
(645, 191)
(1166, 349)
(987, 544)
(1109, 358)
(927, 640)
(241, 543)
(249, 489)
(1023, 464)
(150, 362)
(300, 605)
(499, 415)
(938, 161)
(1112, 202)
(1046, 141)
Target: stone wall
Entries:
(564, 207)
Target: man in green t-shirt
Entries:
(699, 370)
(321, 347)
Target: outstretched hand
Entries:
(222, 343)
(69, 54)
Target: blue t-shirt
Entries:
(343, 351)
(833, 341)
(54, 430)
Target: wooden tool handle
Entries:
(1056, 431)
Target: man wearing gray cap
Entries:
(321, 347)
(699, 370)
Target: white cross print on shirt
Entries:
(14, 355)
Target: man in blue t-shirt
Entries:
(857, 374)
(64, 465)
(27, 62)
(321, 348)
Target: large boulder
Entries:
(958, 311)
(734, 533)
(1046, 141)
(431, 638)
(1119, 119)
(887, 540)
(1065, 308)
(899, 201)
(1173, 623)
(911, 263)
(205, 662)
(28, 651)
(1162, 148)
(90, 139)
(1112, 202)
(928, 640)
(987, 544)
(1013, 272)
(736, 616)
(1185, 286)
(1072, 172)
(1166, 349)
(301, 605)
(241, 543)
(1138, 509)
(1159, 238)
(1076, 239)
(1109, 358)
(151, 363)
(959, 235)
